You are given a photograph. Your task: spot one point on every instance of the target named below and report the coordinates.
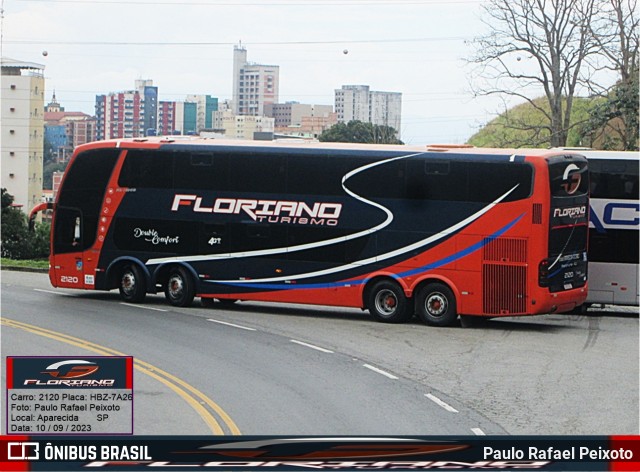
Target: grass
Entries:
(26, 264)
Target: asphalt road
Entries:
(283, 369)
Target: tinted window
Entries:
(201, 171)
(84, 187)
(567, 240)
(381, 181)
(315, 175)
(256, 173)
(605, 247)
(614, 179)
(158, 236)
(467, 181)
(147, 169)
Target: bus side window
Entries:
(68, 231)
(143, 169)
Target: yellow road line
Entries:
(195, 398)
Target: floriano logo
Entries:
(152, 236)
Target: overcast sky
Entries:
(416, 47)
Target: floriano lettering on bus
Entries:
(265, 211)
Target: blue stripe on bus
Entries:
(434, 265)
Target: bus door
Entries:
(67, 260)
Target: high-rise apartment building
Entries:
(357, 102)
(205, 106)
(254, 85)
(149, 95)
(166, 118)
(128, 114)
(22, 116)
(189, 117)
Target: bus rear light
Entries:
(543, 273)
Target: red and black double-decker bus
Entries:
(397, 230)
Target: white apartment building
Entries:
(254, 85)
(22, 125)
(292, 114)
(240, 126)
(357, 102)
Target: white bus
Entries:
(614, 225)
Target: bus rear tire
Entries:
(387, 303)
(132, 285)
(436, 305)
(180, 289)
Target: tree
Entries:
(49, 169)
(360, 132)
(533, 46)
(17, 241)
(616, 32)
(614, 123)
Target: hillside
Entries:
(521, 126)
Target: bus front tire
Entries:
(132, 284)
(436, 305)
(180, 289)
(387, 303)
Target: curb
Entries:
(24, 269)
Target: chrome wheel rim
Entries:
(386, 302)
(436, 304)
(128, 283)
(175, 286)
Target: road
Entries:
(283, 369)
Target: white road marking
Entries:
(439, 402)
(142, 307)
(380, 371)
(478, 432)
(52, 292)
(317, 348)
(231, 324)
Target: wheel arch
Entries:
(161, 273)
(432, 278)
(369, 282)
(113, 272)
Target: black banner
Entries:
(300, 453)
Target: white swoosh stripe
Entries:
(303, 247)
(380, 257)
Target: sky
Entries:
(417, 47)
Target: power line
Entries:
(325, 3)
(214, 43)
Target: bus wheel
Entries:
(436, 305)
(180, 289)
(387, 303)
(132, 285)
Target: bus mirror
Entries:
(34, 212)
